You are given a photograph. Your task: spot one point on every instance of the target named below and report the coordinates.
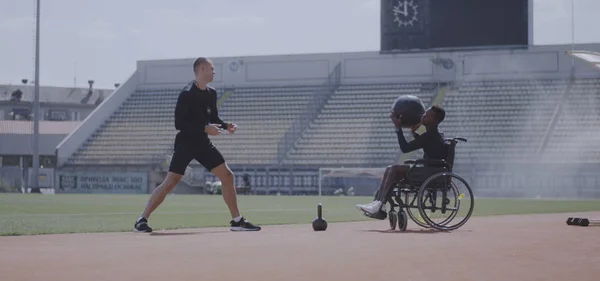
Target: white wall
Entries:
(13, 144)
(367, 67)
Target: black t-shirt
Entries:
(195, 109)
(432, 143)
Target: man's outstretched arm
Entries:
(413, 145)
(405, 147)
(214, 114)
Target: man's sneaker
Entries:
(362, 206)
(141, 225)
(372, 208)
(380, 215)
(243, 225)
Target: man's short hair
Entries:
(440, 113)
(199, 61)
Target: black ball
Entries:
(411, 108)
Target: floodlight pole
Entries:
(320, 179)
(573, 33)
(36, 103)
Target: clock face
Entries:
(405, 13)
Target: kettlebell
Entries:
(319, 223)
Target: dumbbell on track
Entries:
(573, 221)
(582, 221)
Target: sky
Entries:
(103, 40)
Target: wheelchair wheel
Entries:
(393, 217)
(410, 198)
(402, 221)
(443, 194)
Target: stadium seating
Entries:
(139, 132)
(142, 130)
(576, 137)
(354, 127)
(504, 121)
(262, 116)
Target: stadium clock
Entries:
(406, 13)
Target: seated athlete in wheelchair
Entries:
(420, 179)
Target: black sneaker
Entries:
(243, 225)
(141, 225)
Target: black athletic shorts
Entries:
(202, 150)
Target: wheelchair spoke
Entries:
(412, 208)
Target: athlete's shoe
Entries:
(372, 207)
(243, 225)
(374, 210)
(380, 215)
(141, 225)
(362, 206)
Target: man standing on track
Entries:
(196, 117)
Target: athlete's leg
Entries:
(382, 183)
(225, 175)
(160, 192)
(179, 162)
(392, 175)
(212, 160)
(397, 173)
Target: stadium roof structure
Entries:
(49, 94)
(14, 127)
(588, 56)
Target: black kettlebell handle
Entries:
(319, 211)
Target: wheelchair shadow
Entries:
(419, 231)
(186, 233)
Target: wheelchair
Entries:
(430, 188)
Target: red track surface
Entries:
(533, 247)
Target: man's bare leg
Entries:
(160, 192)
(229, 193)
(396, 174)
(382, 183)
(238, 222)
(392, 175)
(157, 197)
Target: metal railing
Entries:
(313, 107)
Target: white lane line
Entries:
(159, 213)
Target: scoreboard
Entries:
(429, 24)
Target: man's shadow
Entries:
(415, 231)
(186, 233)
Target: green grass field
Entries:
(26, 214)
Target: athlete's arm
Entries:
(214, 113)
(181, 111)
(413, 145)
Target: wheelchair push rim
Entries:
(425, 193)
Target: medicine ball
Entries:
(411, 108)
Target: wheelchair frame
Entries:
(421, 191)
